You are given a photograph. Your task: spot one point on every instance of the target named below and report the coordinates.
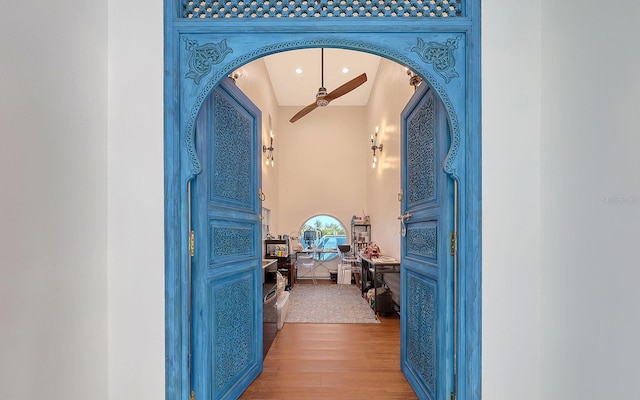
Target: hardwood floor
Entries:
(334, 361)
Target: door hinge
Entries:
(453, 243)
(453, 396)
(193, 395)
(192, 243)
(400, 195)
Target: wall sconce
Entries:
(235, 75)
(269, 150)
(375, 146)
(414, 80)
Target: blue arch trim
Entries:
(425, 54)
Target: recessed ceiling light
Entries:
(298, 71)
(345, 70)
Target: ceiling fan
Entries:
(323, 98)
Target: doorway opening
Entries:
(190, 78)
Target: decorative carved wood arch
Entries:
(205, 41)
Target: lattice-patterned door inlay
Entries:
(423, 241)
(229, 241)
(232, 178)
(421, 167)
(422, 329)
(233, 331)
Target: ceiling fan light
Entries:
(320, 97)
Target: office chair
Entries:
(307, 260)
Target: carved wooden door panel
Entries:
(427, 328)
(226, 283)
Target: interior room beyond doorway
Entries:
(322, 163)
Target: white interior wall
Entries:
(511, 200)
(590, 201)
(343, 162)
(136, 201)
(390, 94)
(340, 171)
(588, 185)
(53, 207)
(321, 155)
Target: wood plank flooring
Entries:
(334, 361)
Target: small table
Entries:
(383, 265)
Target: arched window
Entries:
(323, 232)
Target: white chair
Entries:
(306, 260)
(349, 264)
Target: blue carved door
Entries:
(426, 327)
(226, 272)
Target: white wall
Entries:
(53, 210)
(558, 278)
(323, 161)
(390, 94)
(511, 200)
(590, 201)
(321, 155)
(136, 193)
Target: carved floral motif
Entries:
(440, 55)
(203, 57)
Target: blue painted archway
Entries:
(206, 43)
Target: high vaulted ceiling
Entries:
(299, 89)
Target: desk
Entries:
(318, 262)
(378, 265)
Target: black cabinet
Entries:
(279, 249)
(276, 248)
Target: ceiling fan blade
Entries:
(347, 87)
(303, 112)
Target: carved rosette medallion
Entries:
(203, 57)
(440, 55)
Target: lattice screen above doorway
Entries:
(322, 8)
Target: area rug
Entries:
(328, 304)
